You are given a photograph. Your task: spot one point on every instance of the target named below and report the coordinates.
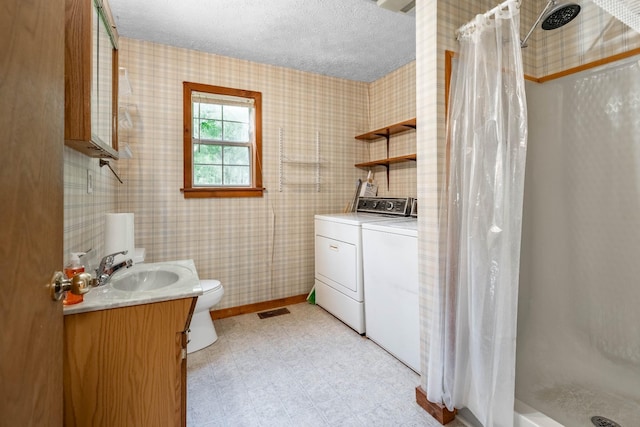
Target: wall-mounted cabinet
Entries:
(91, 79)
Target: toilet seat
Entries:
(209, 285)
(202, 332)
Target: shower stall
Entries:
(578, 304)
(578, 344)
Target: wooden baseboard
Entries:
(436, 410)
(259, 306)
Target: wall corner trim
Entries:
(436, 410)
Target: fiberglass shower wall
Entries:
(578, 349)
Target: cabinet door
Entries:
(91, 80)
(184, 339)
(125, 366)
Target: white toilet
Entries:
(203, 334)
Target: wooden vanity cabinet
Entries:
(127, 366)
(91, 79)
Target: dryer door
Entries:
(336, 264)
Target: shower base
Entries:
(571, 406)
(524, 416)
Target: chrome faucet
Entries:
(106, 268)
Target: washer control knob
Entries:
(389, 206)
(375, 204)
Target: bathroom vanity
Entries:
(125, 360)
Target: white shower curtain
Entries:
(473, 336)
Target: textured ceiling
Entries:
(349, 39)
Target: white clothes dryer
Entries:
(338, 256)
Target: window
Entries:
(222, 142)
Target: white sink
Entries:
(147, 277)
(142, 284)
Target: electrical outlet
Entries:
(89, 181)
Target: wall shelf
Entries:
(385, 133)
(387, 162)
(301, 162)
(292, 169)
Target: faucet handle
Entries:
(107, 261)
(117, 253)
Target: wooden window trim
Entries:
(191, 192)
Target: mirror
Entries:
(104, 83)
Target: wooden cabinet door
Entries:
(125, 366)
(31, 210)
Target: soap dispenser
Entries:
(73, 268)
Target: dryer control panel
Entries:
(385, 205)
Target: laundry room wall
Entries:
(392, 99)
(259, 248)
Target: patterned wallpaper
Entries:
(263, 248)
(427, 106)
(594, 34)
(259, 248)
(392, 99)
(84, 212)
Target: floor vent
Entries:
(273, 313)
(599, 421)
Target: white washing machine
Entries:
(339, 281)
(390, 261)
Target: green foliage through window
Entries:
(221, 143)
(221, 165)
(219, 122)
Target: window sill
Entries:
(203, 193)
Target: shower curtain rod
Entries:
(487, 14)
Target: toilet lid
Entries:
(209, 285)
